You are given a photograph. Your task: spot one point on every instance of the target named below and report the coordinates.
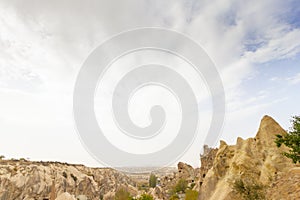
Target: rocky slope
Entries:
(21, 179)
(167, 183)
(26, 180)
(252, 169)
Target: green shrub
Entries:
(174, 197)
(181, 186)
(192, 185)
(250, 190)
(122, 194)
(191, 195)
(145, 197)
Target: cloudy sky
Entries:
(255, 46)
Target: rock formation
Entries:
(21, 179)
(207, 159)
(186, 172)
(251, 169)
(168, 182)
(254, 166)
(157, 193)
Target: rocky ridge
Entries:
(21, 179)
(252, 169)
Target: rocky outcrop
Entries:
(256, 161)
(167, 183)
(186, 172)
(286, 186)
(157, 193)
(66, 196)
(51, 180)
(207, 160)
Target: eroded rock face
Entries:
(286, 185)
(158, 193)
(186, 172)
(207, 160)
(256, 159)
(168, 182)
(50, 180)
(66, 196)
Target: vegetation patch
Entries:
(291, 140)
(249, 190)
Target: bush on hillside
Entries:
(191, 195)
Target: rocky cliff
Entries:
(252, 169)
(21, 179)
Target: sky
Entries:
(255, 46)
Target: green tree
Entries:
(191, 195)
(291, 140)
(152, 180)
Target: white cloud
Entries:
(43, 45)
(295, 79)
(285, 46)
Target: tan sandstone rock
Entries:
(255, 160)
(53, 180)
(66, 196)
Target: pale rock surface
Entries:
(287, 186)
(21, 179)
(167, 183)
(256, 159)
(157, 193)
(65, 196)
(109, 196)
